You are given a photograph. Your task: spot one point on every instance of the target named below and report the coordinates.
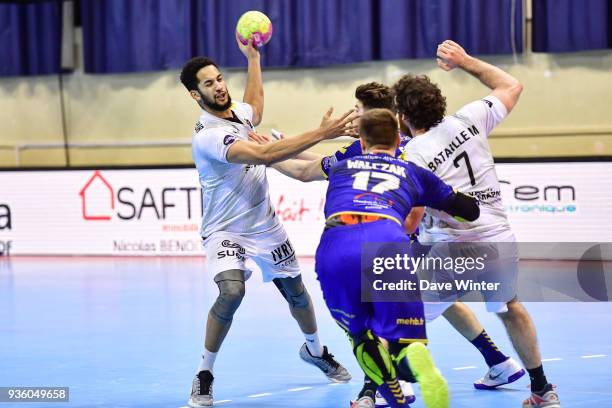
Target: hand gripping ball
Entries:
(254, 24)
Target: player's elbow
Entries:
(516, 89)
(510, 94)
(465, 207)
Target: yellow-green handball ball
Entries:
(254, 24)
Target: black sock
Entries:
(538, 379)
(369, 387)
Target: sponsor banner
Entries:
(158, 211)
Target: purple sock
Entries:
(488, 349)
(392, 392)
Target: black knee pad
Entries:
(231, 292)
(372, 357)
(294, 291)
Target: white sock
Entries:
(314, 344)
(208, 361)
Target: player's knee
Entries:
(231, 293)
(360, 337)
(514, 310)
(372, 356)
(294, 292)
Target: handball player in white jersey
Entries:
(239, 222)
(456, 149)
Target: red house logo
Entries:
(97, 198)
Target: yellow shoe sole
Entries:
(434, 388)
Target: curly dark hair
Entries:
(375, 95)
(420, 101)
(190, 69)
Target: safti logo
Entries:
(97, 199)
(101, 201)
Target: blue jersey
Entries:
(383, 185)
(352, 150)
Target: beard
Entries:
(214, 105)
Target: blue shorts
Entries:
(338, 267)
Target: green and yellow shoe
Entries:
(434, 389)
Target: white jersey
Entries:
(235, 196)
(457, 151)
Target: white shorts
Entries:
(507, 259)
(271, 251)
(433, 310)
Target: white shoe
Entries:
(326, 363)
(363, 402)
(201, 390)
(503, 373)
(381, 402)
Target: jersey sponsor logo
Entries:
(233, 249)
(450, 150)
(198, 127)
(487, 196)
(372, 201)
(411, 321)
(228, 140)
(284, 254)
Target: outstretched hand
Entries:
(343, 125)
(450, 55)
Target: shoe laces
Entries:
(329, 359)
(204, 385)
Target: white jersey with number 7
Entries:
(457, 150)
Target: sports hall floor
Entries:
(127, 332)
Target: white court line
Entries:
(464, 368)
(222, 402)
(544, 360)
(335, 383)
(299, 389)
(594, 356)
(265, 394)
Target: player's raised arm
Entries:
(248, 152)
(505, 87)
(253, 93)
